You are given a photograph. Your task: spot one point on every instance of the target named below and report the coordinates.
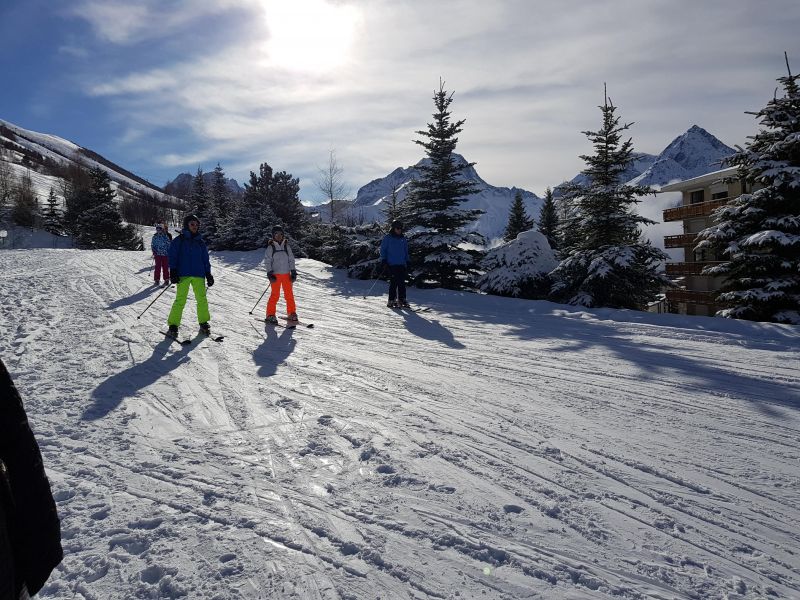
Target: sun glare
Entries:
(309, 35)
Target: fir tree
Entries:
(430, 211)
(217, 209)
(518, 219)
(284, 200)
(606, 263)
(100, 225)
(251, 218)
(52, 217)
(759, 232)
(26, 205)
(548, 219)
(198, 201)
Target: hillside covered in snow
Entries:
(487, 448)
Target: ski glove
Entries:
(210, 279)
(174, 277)
(293, 275)
(271, 277)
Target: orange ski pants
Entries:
(282, 280)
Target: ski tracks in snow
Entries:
(483, 449)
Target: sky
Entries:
(166, 86)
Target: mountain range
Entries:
(693, 153)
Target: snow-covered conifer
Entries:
(548, 219)
(606, 262)
(759, 232)
(518, 219)
(430, 212)
(519, 268)
(100, 225)
(52, 219)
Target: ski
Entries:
(285, 325)
(172, 337)
(293, 324)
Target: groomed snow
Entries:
(487, 448)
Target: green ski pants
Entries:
(199, 286)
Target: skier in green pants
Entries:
(189, 266)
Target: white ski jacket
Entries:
(279, 257)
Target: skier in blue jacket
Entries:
(189, 266)
(395, 259)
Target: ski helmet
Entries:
(188, 219)
(277, 229)
(397, 224)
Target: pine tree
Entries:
(52, 217)
(606, 263)
(518, 219)
(213, 222)
(430, 211)
(100, 225)
(284, 200)
(392, 209)
(252, 218)
(198, 202)
(26, 206)
(548, 219)
(759, 232)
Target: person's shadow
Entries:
(276, 348)
(133, 299)
(430, 330)
(109, 394)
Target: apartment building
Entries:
(701, 195)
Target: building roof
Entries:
(700, 181)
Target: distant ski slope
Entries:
(487, 448)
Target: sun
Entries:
(309, 35)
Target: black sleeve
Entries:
(32, 516)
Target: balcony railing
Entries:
(701, 209)
(691, 297)
(689, 268)
(680, 241)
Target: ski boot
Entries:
(173, 331)
(404, 304)
(392, 304)
(205, 328)
(292, 318)
(271, 319)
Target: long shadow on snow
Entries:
(109, 394)
(276, 348)
(585, 329)
(430, 330)
(134, 298)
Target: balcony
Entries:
(691, 297)
(701, 209)
(685, 240)
(677, 269)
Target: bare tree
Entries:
(331, 183)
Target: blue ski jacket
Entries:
(160, 244)
(394, 249)
(188, 255)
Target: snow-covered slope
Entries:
(371, 200)
(20, 144)
(489, 448)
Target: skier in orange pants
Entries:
(279, 261)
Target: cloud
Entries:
(528, 77)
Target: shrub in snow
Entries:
(606, 263)
(759, 232)
(519, 268)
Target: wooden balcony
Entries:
(691, 297)
(685, 240)
(689, 268)
(701, 209)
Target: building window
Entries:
(696, 196)
(719, 195)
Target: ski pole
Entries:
(154, 299)
(259, 299)
(374, 282)
(152, 264)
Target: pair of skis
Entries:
(188, 341)
(288, 323)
